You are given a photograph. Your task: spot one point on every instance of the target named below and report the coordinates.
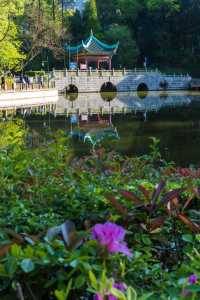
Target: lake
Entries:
(172, 117)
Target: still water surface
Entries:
(173, 117)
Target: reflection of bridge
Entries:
(124, 81)
(91, 103)
(27, 98)
(124, 102)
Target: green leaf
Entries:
(93, 280)
(79, 282)
(193, 288)
(131, 294)
(63, 295)
(16, 250)
(146, 296)
(27, 265)
(60, 295)
(11, 265)
(103, 278)
(68, 289)
(3, 272)
(146, 240)
(117, 293)
(187, 238)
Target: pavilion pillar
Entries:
(98, 64)
(110, 64)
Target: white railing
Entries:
(114, 72)
(90, 72)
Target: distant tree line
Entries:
(166, 32)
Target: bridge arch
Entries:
(71, 88)
(71, 92)
(108, 91)
(108, 87)
(142, 87)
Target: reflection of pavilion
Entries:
(92, 52)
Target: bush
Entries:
(35, 73)
(51, 201)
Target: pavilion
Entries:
(92, 52)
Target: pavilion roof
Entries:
(93, 46)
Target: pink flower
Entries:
(98, 297)
(192, 279)
(112, 236)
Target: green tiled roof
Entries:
(93, 46)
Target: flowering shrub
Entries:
(158, 208)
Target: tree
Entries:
(128, 51)
(43, 28)
(10, 54)
(90, 17)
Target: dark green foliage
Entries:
(122, 34)
(90, 17)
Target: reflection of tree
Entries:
(142, 94)
(72, 96)
(164, 95)
(108, 96)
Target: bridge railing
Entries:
(59, 74)
(178, 76)
(114, 72)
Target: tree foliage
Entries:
(90, 17)
(167, 32)
(10, 54)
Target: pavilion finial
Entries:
(91, 32)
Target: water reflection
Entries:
(108, 96)
(121, 102)
(142, 94)
(104, 102)
(173, 117)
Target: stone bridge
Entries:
(123, 81)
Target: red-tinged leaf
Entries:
(131, 196)
(173, 205)
(5, 249)
(14, 236)
(193, 226)
(157, 192)
(157, 223)
(145, 192)
(119, 207)
(171, 195)
(100, 152)
(175, 202)
(187, 203)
